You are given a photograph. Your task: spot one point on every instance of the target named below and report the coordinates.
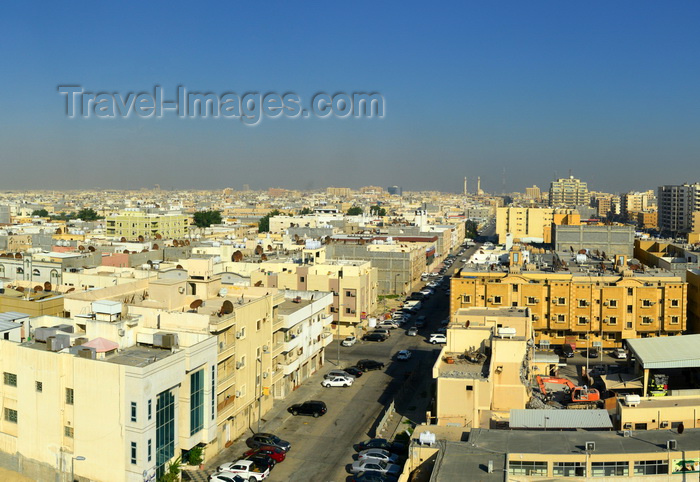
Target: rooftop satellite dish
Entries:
(126, 251)
(20, 289)
(123, 239)
(466, 325)
(227, 307)
(47, 286)
(179, 266)
(91, 249)
(158, 236)
(140, 239)
(70, 289)
(38, 288)
(156, 247)
(196, 304)
(18, 256)
(187, 243)
(81, 248)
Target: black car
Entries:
(354, 371)
(314, 408)
(381, 443)
(567, 350)
(592, 353)
(261, 439)
(263, 462)
(372, 476)
(369, 365)
(374, 337)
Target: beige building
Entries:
(478, 372)
(530, 223)
(102, 386)
(131, 224)
(568, 192)
(578, 306)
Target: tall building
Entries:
(635, 202)
(677, 203)
(568, 192)
(339, 191)
(4, 214)
(534, 193)
(131, 224)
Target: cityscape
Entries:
(246, 243)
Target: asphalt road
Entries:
(322, 448)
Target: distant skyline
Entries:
(606, 90)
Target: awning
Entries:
(622, 381)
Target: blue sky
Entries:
(608, 90)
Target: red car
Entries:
(274, 453)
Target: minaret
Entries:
(478, 186)
(465, 185)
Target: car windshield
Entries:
(275, 439)
(382, 464)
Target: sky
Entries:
(605, 90)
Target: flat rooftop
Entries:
(480, 311)
(287, 307)
(138, 356)
(462, 367)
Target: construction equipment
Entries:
(658, 385)
(580, 397)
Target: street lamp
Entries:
(396, 277)
(79, 458)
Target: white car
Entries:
(336, 373)
(246, 469)
(349, 341)
(619, 353)
(225, 477)
(403, 355)
(437, 338)
(376, 465)
(338, 382)
(379, 454)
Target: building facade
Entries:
(568, 192)
(677, 203)
(132, 224)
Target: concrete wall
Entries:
(612, 240)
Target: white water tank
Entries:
(372, 322)
(632, 400)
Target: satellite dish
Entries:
(196, 304)
(140, 239)
(681, 428)
(187, 243)
(466, 325)
(38, 288)
(179, 266)
(158, 236)
(126, 251)
(70, 289)
(156, 247)
(227, 307)
(91, 249)
(123, 239)
(20, 289)
(81, 248)
(47, 286)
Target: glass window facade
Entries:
(610, 469)
(165, 430)
(10, 379)
(69, 396)
(651, 467)
(213, 392)
(133, 411)
(521, 467)
(196, 401)
(569, 469)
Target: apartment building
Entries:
(124, 398)
(532, 224)
(677, 203)
(476, 384)
(636, 202)
(583, 305)
(568, 192)
(133, 223)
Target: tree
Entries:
(264, 223)
(471, 229)
(173, 472)
(306, 211)
(355, 211)
(377, 211)
(42, 213)
(204, 219)
(88, 214)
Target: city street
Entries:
(322, 447)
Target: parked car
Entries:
(369, 365)
(376, 466)
(436, 338)
(382, 331)
(337, 373)
(338, 382)
(619, 353)
(403, 355)
(592, 352)
(246, 469)
(374, 337)
(263, 462)
(412, 331)
(380, 443)
(380, 454)
(315, 408)
(567, 350)
(227, 477)
(353, 372)
(349, 341)
(372, 476)
(420, 323)
(388, 324)
(442, 329)
(275, 453)
(267, 439)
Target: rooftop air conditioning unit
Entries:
(265, 374)
(590, 446)
(490, 299)
(239, 334)
(605, 303)
(238, 394)
(671, 445)
(239, 365)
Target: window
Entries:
(675, 303)
(466, 299)
(561, 318)
(11, 415)
(646, 303)
(133, 453)
(39, 386)
(612, 303)
(150, 449)
(515, 288)
(497, 300)
(196, 401)
(647, 320)
(582, 320)
(610, 469)
(675, 320)
(165, 430)
(650, 467)
(521, 467)
(213, 392)
(630, 291)
(629, 309)
(640, 426)
(582, 303)
(612, 320)
(10, 379)
(68, 431)
(569, 469)
(561, 301)
(628, 325)
(531, 300)
(301, 278)
(150, 410)
(133, 411)
(258, 324)
(69, 396)
(347, 311)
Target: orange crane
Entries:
(579, 395)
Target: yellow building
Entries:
(131, 224)
(581, 306)
(533, 223)
(475, 385)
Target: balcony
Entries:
(226, 403)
